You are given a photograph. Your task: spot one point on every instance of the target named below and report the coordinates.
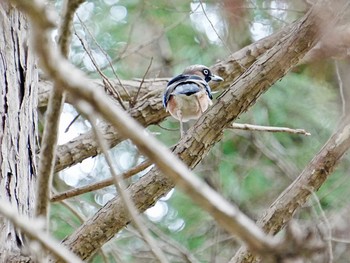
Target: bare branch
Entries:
(133, 101)
(99, 185)
(341, 88)
(251, 127)
(107, 83)
(108, 59)
(213, 27)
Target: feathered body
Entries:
(188, 95)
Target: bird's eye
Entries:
(205, 72)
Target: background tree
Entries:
(153, 41)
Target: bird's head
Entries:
(203, 72)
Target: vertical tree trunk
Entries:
(18, 129)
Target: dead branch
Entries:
(251, 127)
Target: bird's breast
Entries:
(188, 107)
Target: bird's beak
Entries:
(216, 78)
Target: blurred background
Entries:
(251, 169)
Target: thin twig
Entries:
(99, 185)
(120, 186)
(105, 79)
(251, 127)
(71, 123)
(325, 220)
(105, 54)
(340, 240)
(133, 102)
(31, 228)
(341, 88)
(186, 254)
(213, 27)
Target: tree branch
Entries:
(31, 228)
(312, 177)
(52, 119)
(251, 127)
(101, 184)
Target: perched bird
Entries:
(188, 95)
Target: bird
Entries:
(188, 95)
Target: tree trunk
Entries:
(18, 129)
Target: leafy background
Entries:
(248, 168)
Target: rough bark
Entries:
(18, 101)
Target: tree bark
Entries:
(18, 129)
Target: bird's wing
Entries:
(186, 85)
(201, 82)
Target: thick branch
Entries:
(335, 44)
